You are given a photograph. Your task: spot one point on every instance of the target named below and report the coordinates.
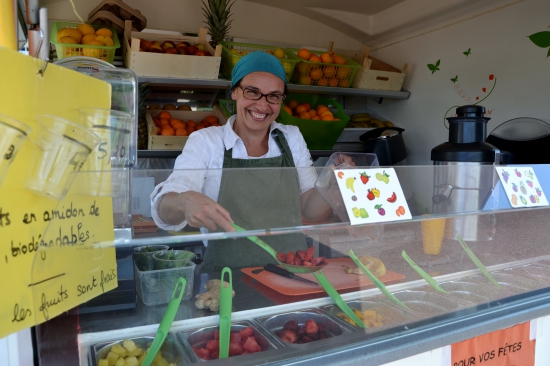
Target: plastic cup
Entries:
(433, 232)
(143, 256)
(109, 159)
(12, 134)
(63, 147)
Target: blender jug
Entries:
(464, 175)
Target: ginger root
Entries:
(211, 298)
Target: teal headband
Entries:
(257, 61)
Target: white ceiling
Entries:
(379, 22)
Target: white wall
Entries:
(499, 45)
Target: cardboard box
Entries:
(158, 142)
(168, 65)
(378, 75)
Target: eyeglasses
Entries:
(253, 94)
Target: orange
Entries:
(211, 119)
(181, 132)
(164, 114)
(343, 72)
(304, 115)
(69, 32)
(85, 29)
(203, 123)
(343, 83)
(156, 121)
(322, 82)
(93, 52)
(325, 113)
(312, 113)
(315, 58)
(308, 107)
(321, 108)
(164, 122)
(288, 110)
(191, 128)
(104, 32)
(300, 109)
(340, 60)
(191, 123)
(167, 131)
(292, 104)
(333, 82)
(88, 38)
(316, 74)
(304, 53)
(327, 57)
(305, 80)
(327, 117)
(316, 118)
(200, 127)
(329, 71)
(176, 124)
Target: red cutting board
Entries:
(334, 272)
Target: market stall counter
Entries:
(429, 290)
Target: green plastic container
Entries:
(230, 59)
(64, 50)
(319, 135)
(322, 74)
(228, 107)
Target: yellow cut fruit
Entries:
(85, 29)
(107, 41)
(70, 32)
(104, 32)
(92, 52)
(88, 38)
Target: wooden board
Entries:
(378, 75)
(334, 271)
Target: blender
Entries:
(464, 178)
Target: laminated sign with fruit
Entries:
(71, 39)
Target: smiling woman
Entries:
(250, 139)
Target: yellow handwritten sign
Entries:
(48, 263)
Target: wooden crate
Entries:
(168, 65)
(158, 142)
(378, 75)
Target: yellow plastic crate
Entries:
(323, 74)
(230, 59)
(64, 50)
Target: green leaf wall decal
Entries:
(541, 39)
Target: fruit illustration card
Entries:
(522, 186)
(372, 195)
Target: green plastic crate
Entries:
(64, 50)
(323, 74)
(230, 59)
(319, 135)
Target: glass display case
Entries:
(495, 279)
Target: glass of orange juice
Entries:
(433, 231)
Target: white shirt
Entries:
(198, 167)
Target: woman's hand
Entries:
(198, 209)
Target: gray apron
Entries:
(257, 199)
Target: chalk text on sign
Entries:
(46, 303)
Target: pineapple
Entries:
(142, 122)
(217, 14)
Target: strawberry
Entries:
(251, 345)
(213, 345)
(281, 257)
(235, 349)
(290, 257)
(288, 336)
(311, 327)
(301, 254)
(297, 261)
(364, 177)
(322, 335)
(316, 261)
(246, 332)
(309, 254)
(322, 328)
(302, 330)
(235, 337)
(306, 339)
(291, 325)
(215, 355)
(216, 334)
(202, 353)
(307, 264)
